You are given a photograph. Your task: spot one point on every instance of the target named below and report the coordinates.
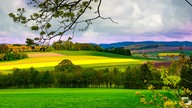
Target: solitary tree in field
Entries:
(54, 18)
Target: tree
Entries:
(65, 66)
(99, 78)
(35, 78)
(4, 48)
(89, 77)
(21, 78)
(186, 76)
(56, 17)
(146, 72)
(47, 79)
(62, 79)
(29, 42)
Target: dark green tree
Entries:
(145, 72)
(21, 78)
(89, 77)
(99, 78)
(106, 77)
(65, 66)
(35, 78)
(5, 81)
(62, 79)
(70, 80)
(47, 79)
(133, 78)
(118, 77)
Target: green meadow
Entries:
(72, 98)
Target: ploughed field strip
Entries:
(44, 55)
(52, 59)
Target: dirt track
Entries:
(44, 55)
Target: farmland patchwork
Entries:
(52, 59)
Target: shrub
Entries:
(186, 75)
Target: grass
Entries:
(71, 98)
(48, 60)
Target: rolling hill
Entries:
(48, 60)
(167, 44)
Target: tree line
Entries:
(119, 50)
(68, 45)
(7, 54)
(68, 75)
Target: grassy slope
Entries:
(95, 53)
(83, 58)
(72, 98)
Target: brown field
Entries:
(47, 54)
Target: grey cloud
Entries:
(137, 20)
(143, 16)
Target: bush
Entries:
(186, 75)
(157, 84)
(8, 56)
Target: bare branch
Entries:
(57, 17)
(188, 2)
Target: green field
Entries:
(72, 98)
(169, 53)
(48, 60)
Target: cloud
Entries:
(11, 32)
(3, 33)
(139, 16)
(138, 20)
(90, 36)
(154, 17)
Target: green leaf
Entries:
(42, 33)
(19, 9)
(51, 33)
(34, 28)
(48, 25)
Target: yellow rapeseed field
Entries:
(168, 54)
(52, 59)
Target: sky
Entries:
(138, 20)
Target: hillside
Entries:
(167, 44)
(48, 60)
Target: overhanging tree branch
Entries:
(189, 2)
(55, 18)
